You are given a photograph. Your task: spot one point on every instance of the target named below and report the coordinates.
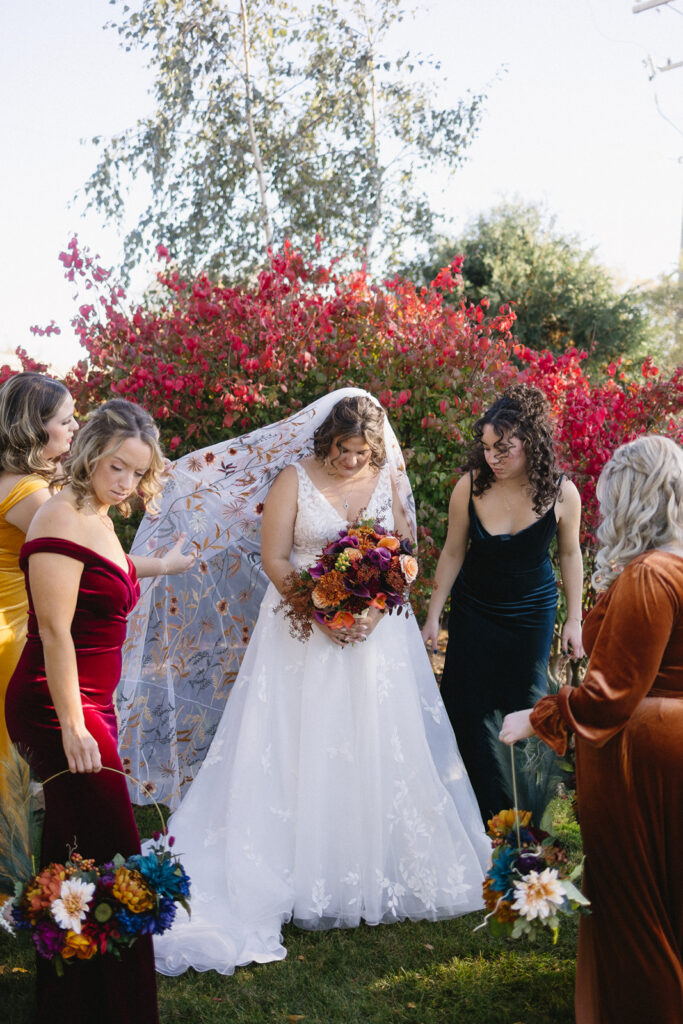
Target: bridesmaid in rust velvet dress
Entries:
(59, 709)
(627, 716)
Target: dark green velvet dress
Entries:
(500, 628)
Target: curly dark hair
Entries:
(522, 411)
(357, 416)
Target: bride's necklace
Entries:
(346, 496)
(105, 519)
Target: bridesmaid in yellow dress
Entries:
(36, 427)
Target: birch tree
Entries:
(275, 119)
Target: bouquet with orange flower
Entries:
(78, 910)
(527, 886)
(365, 566)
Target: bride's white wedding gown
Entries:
(333, 791)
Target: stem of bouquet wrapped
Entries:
(116, 771)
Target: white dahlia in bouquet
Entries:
(528, 886)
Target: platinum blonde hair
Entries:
(640, 491)
(103, 432)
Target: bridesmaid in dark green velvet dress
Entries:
(503, 515)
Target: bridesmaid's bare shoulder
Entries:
(57, 517)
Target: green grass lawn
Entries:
(408, 973)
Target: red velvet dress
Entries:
(627, 716)
(92, 809)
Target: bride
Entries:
(333, 790)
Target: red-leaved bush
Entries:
(210, 360)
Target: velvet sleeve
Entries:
(625, 657)
(549, 722)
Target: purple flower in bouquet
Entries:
(317, 571)
(107, 877)
(529, 861)
(343, 541)
(48, 939)
(381, 557)
(346, 541)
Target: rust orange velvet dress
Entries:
(627, 716)
(92, 808)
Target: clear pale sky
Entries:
(572, 122)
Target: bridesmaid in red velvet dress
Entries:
(59, 709)
(627, 716)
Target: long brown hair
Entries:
(27, 401)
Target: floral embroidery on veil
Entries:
(187, 636)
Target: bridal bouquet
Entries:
(364, 567)
(79, 910)
(527, 886)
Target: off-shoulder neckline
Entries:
(93, 553)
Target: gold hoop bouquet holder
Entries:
(116, 771)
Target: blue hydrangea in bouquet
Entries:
(528, 886)
(78, 910)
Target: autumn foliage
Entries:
(209, 360)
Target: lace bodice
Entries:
(318, 522)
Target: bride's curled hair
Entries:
(103, 432)
(356, 416)
(640, 491)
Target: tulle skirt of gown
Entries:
(333, 792)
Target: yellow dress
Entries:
(13, 601)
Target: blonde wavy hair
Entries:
(640, 491)
(102, 434)
(27, 401)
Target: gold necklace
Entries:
(105, 519)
